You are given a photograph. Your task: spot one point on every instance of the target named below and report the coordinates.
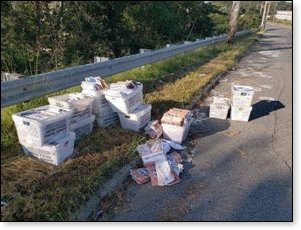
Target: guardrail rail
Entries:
(27, 88)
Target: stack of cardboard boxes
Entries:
(48, 132)
(82, 119)
(94, 87)
(44, 133)
(126, 99)
(241, 102)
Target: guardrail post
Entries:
(142, 51)
(100, 59)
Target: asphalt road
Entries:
(240, 171)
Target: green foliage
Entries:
(284, 5)
(41, 36)
(221, 23)
(249, 20)
(153, 24)
(250, 15)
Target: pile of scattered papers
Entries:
(162, 163)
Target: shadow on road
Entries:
(276, 48)
(272, 36)
(264, 107)
(205, 126)
(270, 29)
(268, 201)
(268, 198)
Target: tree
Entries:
(274, 11)
(284, 5)
(268, 12)
(233, 21)
(264, 15)
(44, 36)
(261, 7)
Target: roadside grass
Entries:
(181, 92)
(286, 23)
(38, 191)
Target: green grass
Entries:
(38, 191)
(286, 23)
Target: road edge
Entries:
(88, 211)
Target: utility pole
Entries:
(233, 21)
(262, 26)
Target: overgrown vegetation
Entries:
(282, 22)
(41, 36)
(38, 191)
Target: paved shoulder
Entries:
(241, 171)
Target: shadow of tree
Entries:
(268, 201)
(267, 198)
(276, 48)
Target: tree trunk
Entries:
(38, 35)
(267, 14)
(262, 26)
(261, 7)
(38, 22)
(275, 11)
(233, 21)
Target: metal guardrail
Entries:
(24, 89)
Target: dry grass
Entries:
(38, 191)
(181, 92)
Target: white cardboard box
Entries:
(124, 101)
(77, 102)
(219, 110)
(54, 153)
(83, 127)
(242, 95)
(99, 102)
(41, 125)
(107, 120)
(240, 113)
(176, 133)
(136, 120)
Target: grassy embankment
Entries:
(285, 23)
(37, 191)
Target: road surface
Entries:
(240, 171)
